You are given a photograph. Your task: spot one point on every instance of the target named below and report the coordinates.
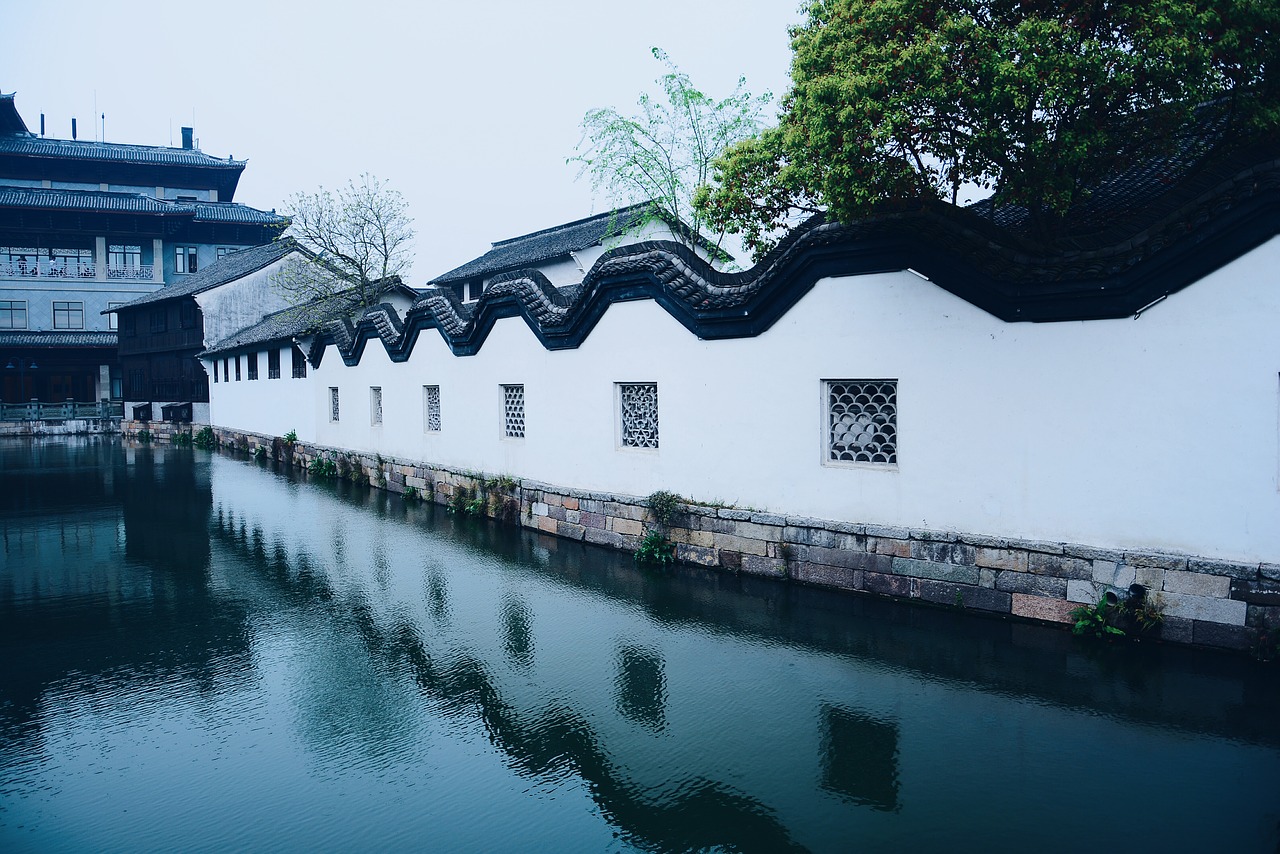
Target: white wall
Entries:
(1160, 432)
(243, 302)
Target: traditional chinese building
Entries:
(88, 226)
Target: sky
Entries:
(468, 109)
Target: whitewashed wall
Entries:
(1157, 433)
(235, 305)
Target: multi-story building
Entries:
(88, 226)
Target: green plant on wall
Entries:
(655, 550)
(290, 438)
(323, 467)
(182, 440)
(144, 436)
(1095, 621)
(411, 494)
(205, 439)
(260, 453)
(664, 506)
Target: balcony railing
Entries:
(45, 268)
(138, 272)
(67, 411)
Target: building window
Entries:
(431, 408)
(123, 261)
(236, 359)
(862, 421)
(215, 373)
(68, 315)
(113, 319)
(184, 259)
(225, 376)
(70, 263)
(158, 320)
(375, 405)
(187, 315)
(513, 411)
(253, 365)
(224, 251)
(13, 314)
(273, 363)
(137, 384)
(299, 363)
(638, 415)
(333, 403)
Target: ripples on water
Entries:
(202, 654)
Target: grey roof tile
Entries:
(99, 200)
(57, 339)
(234, 265)
(34, 146)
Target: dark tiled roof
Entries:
(33, 146)
(230, 267)
(86, 200)
(235, 212)
(529, 250)
(98, 200)
(58, 339)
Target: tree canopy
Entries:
(358, 240)
(662, 154)
(897, 100)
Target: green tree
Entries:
(897, 100)
(356, 240)
(662, 154)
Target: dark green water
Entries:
(199, 654)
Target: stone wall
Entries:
(1204, 602)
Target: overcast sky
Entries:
(469, 109)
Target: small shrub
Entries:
(476, 506)
(459, 500)
(182, 440)
(323, 467)
(205, 439)
(1095, 620)
(291, 437)
(260, 454)
(1146, 615)
(411, 494)
(664, 506)
(144, 436)
(655, 550)
(503, 483)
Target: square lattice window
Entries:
(513, 411)
(431, 408)
(862, 421)
(638, 415)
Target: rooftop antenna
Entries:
(104, 127)
(171, 132)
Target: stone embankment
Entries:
(1204, 602)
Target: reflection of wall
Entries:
(642, 689)
(860, 758)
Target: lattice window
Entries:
(862, 421)
(431, 408)
(333, 403)
(638, 409)
(513, 411)
(375, 404)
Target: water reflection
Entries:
(370, 673)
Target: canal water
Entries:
(199, 653)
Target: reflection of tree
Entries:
(437, 597)
(860, 758)
(517, 631)
(642, 686)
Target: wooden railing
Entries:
(70, 410)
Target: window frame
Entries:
(273, 363)
(375, 406)
(828, 419)
(68, 312)
(186, 259)
(251, 365)
(335, 410)
(427, 406)
(113, 319)
(506, 392)
(12, 309)
(620, 418)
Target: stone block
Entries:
(1113, 574)
(1269, 571)
(546, 524)
(848, 528)
(1149, 577)
(574, 516)
(804, 536)
(602, 537)
(733, 513)
(557, 512)
(1092, 553)
(963, 595)
(629, 527)
(943, 552)
(1241, 571)
(570, 503)
(696, 554)
(987, 578)
(1042, 608)
(1213, 633)
(843, 557)
(1035, 585)
(985, 541)
(741, 544)
(1158, 560)
(994, 558)
(886, 546)
(1042, 563)
(827, 576)
(1176, 629)
(891, 532)
(730, 560)
(1262, 617)
(540, 508)
(1041, 546)
(934, 536)
(752, 531)
(756, 565)
(1204, 608)
(768, 519)
(1084, 592)
(1195, 584)
(570, 531)
(418, 483)
(592, 520)
(936, 571)
(887, 585)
